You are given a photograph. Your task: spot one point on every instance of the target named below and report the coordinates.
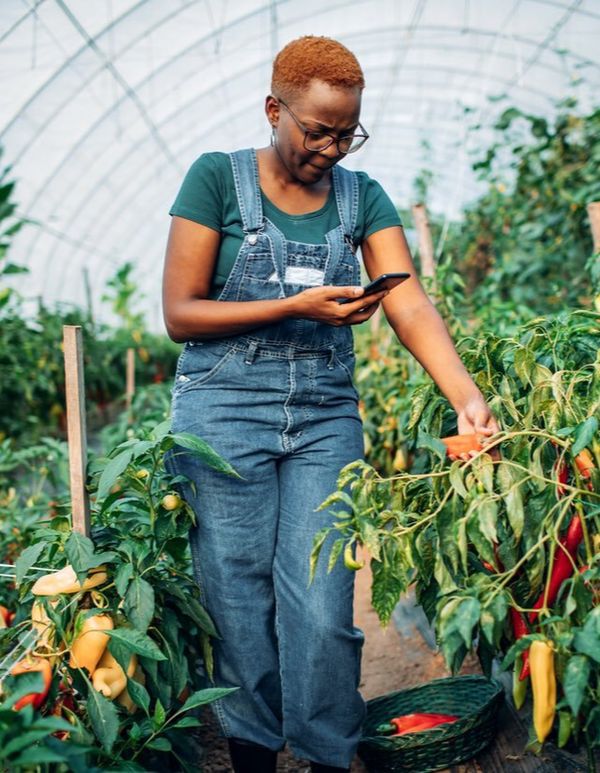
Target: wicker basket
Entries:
(474, 699)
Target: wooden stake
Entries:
(76, 429)
(425, 241)
(593, 210)
(130, 379)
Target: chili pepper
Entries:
(30, 665)
(520, 629)
(565, 727)
(65, 581)
(519, 683)
(90, 643)
(349, 560)
(585, 463)
(414, 723)
(562, 568)
(543, 686)
(109, 678)
(456, 445)
(562, 476)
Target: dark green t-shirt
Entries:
(207, 196)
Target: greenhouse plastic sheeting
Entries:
(105, 103)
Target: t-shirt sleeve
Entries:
(200, 197)
(380, 212)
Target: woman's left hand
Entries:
(476, 418)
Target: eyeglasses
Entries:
(317, 141)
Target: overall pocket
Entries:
(199, 363)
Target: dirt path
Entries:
(391, 661)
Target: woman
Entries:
(261, 248)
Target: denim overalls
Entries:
(279, 404)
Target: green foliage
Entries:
(476, 538)
(526, 242)
(151, 596)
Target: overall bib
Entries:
(279, 404)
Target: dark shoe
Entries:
(249, 757)
(316, 767)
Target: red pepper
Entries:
(27, 666)
(562, 568)
(415, 723)
(520, 629)
(562, 476)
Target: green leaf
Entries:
(36, 756)
(104, 718)
(433, 444)
(318, 541)
(456, 479)
(509, 482)
(466, 618)
(585, 640)
(576, 680)
(111, 472)
(584, 434)
(139, 695)
(186, 722)
(160, 744)
(139, 603)
(207, 454)
(26, 560)
(483, 468)
(33, 735)
(488, 516)
(159, 716)
(198, 613)
(122, 578)
(201, 697)
(334, 553)
(386, 589)
(443, 576)
(138, 642)
(161, 430)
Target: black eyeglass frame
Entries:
(364, 136)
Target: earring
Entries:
(272, 136)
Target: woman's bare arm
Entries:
(422, 331)
(189, 265)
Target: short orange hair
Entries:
(311, 57)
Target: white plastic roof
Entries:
(104, 104)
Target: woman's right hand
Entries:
(320, 304)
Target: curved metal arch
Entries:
(69, 62)
(186, 106)
(242, 19)
(227, 80)
(119, 161)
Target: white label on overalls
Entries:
(299, 275)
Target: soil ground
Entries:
(391, 661)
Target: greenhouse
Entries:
(252, 516)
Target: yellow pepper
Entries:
(543, 686)
(349, 561)
(90, 643)
(109, 678)
(65, 581)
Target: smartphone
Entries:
(383, 282)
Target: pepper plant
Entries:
(482, 538)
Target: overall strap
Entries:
(247, 188)
(345, 185)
